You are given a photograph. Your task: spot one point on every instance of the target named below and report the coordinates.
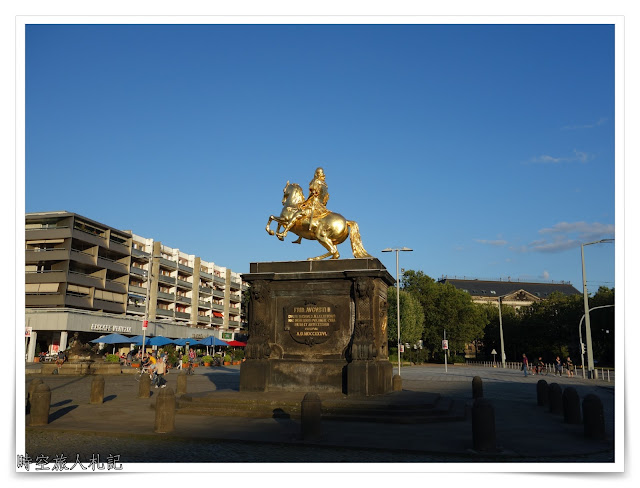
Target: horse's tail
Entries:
(356, 242)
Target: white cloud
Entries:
(600, 122)
(569, 235)
(545, 275)
(578, 156)
(497, 242)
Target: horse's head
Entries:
(292, 195)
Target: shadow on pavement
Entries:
(63, 402)
(61, 413)
(109, 398)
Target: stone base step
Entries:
(397, 407)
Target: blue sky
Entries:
(488, 149)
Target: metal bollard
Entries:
(555, 398)
(571, 406)
(144, 390)
(182, 383)
(397, 382)
(542, 392)
(311, 416)
(483, 425)
(40, 403)
(476, 387)
(165, 412)
(97, 391)
(593, 417)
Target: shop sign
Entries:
(111, 328)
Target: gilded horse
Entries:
(329, 230)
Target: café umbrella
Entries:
(211, 341)
(159, 341)
(112, 339)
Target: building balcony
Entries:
(181, 299)
(138, 271)
(116, 286)
(75, 301)
(205, 275)
(204, 305)
(36, 256)
(89, 237)
(166, 296)
(235, 285)
(46, 277)
(205, 291)
(216, 321)
(161, 312)
(118, 247)
(137, 253)
(235, 298)
(138, 290)
(167, 279)
(107, 306)
(185, 268)
(83, 257)
(234, 311)
(136, 309)
(217, 293)
(219, 281)
(184, 284)
(84, 279)
(113, 265)
(204, 320)
(168, 264)
(44, 300)
(47, 233)
(183, 315)
(234, 323)
(219, 308)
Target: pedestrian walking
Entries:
(558, 367)
(525, 364)
(570, 367)
(161, 370)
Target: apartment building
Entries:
(84, 276)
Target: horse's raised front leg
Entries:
(281, 235)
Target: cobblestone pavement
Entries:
(510, 392)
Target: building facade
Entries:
(515, 294)
(84, 276)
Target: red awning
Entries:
(236, 343)
(217, 314)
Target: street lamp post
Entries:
(587, 323)
(397, 250)
(580, 333)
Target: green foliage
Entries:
(411, 317)
(227, 358)
(445, 308)
(112, 358)
(207, 359)
(238, 354)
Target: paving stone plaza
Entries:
(123, 425)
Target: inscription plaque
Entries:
(310, 322)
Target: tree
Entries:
(445, 308)
(411, 317)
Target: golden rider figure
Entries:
(314, 207)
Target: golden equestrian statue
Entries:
(310, 219)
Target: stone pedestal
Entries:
(318, 326)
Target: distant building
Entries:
(84, 276)
(516, 294)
